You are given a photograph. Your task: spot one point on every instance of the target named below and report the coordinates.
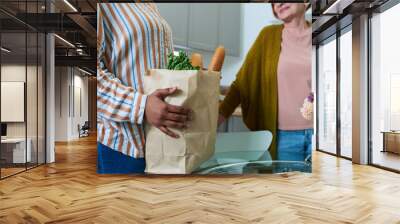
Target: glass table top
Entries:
(250, 162)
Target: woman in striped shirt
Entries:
(131, 38)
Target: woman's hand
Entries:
(163, 115)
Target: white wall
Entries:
(61, 103)
(255, 16)
(79, 117)
(17, 72)
(33, 127)
(14, 72)
(69, 81)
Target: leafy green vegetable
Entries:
(180, 62)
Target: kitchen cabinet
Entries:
(204, 26)
(176, 14)
(391, 141)
(230, 27)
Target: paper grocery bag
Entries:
(199, 91)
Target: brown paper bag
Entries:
(199, 91)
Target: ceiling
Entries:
(75, 21)
(72, 20)
(328, 16)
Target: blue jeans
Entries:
(110, 161)
(294, 145)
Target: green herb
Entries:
(180, 62)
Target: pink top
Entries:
(294, 78)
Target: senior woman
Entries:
(131, 38)
(274, 81)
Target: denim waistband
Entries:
(303, 131)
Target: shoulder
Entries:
(271, 30)
(269, 34)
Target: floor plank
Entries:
(70, 191)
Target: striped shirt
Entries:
(131, 38)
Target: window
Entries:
(327, 97)
(385, 89)
(22, 79)
(346, 94)
(334, 106)
(394, 102)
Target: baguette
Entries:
(196, 60)
(217, 60)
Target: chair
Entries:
(236, 147)
(84, 130)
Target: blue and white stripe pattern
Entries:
(131, 38)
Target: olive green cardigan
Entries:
(256, 85)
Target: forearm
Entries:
(230, 102)
(118, 102)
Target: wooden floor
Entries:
(70, 191)
(387, 159)
(5, 172)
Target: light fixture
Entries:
(70, 5)
(5, 50)
(337, 7)
(86, 72)
(65, 41)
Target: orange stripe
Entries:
(144, 46)
(104, 77)
(153, 48)
(128, 150)
(122, 46)
(136, 43)
(107, 52)
(139, 101)
(112, 115)
(164, 26)
(137, 61)
(102, 132)
(126, 50)
(120, 136)
(119, 72)
(100, 30)
(142, 137)
(132, 134)
(121, 107)
(142, 32)
(100, 40)
(152, 18)
(118, 95)
(165, 52)
(111, 136)
(159, 36)
(108, 40)
(166, 37)
(136, 153)
(134, 139)
(123, 97)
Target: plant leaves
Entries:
(180, 62)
